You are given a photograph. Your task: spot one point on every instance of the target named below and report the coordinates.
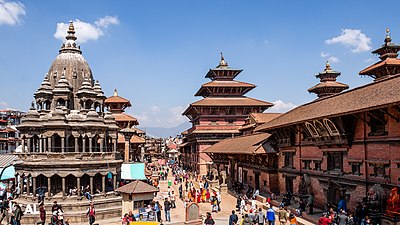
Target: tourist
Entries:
(198, 196)
(158, 208)
(256, 193)
(292, 220)
(172, 197)
(131, 217)
(54, 218)
(17, 214)
(302, 207)
(87, 193)
(242, 206)
(55, 207)
(350, 219)
(186, 186)
(310, 203)
(60, 215)
(209, 220)
(282, 215)
(91, 213)
(271, 216)
(42, 212)
(214, 204)
(167, 210)
(125, 220)
(247, 220)
(180, 191)
(233, 218)
(260, 217)
(5, 207)
(324, 219)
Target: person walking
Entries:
(91, 213)
(292, 219)
(209, 220)
(271, 216)
(282, 215)
(17, 214)
(173, 198)
(260, 217)
(5, 207)
(42, 213)
(310, 203)
(167, 210)
(157, 208)
(233, 218)
(247, 220)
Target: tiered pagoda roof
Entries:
(389, 64)
(328, 85)
(117, 105)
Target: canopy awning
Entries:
(8, 173)
(133, 171)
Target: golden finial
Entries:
(222, 62)
(388, 39)
(115, 92)
(327, 66)
(71, 26)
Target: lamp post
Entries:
(128, 133)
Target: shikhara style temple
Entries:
(219, 115)
(68, 140)
(343, 146)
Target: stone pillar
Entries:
(115, 144)
(90, 145)
(103, 183)
(126, 152)
(23, 144)
(40, 145)
(29, 145)
(49, 144)
(101, 145)
(114, 181)
(62, 144)
(78, 183)
(44, 140)
(34, 185)
(91, 185)
(63, 185)
(49, 186)
(76, 145)
(83, 144)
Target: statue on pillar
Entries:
(375, 198)
(305, 185)
(223, 177)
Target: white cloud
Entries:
(369, 60)
(155, 116)
(281, 106)
(3, 105)
(329, 57)
(11, 12)
(154, 109)
(176, 115)
(86, 31)
(352, 38)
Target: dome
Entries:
(71, 62)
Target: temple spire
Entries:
(327, 66)
(70, 45)
(222, 62)
(388, 39)
(71, 32)
(115, 92)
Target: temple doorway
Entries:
(56, 184)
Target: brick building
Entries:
(219, 115)
(343, 143)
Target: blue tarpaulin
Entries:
(133, 171)
(8, 173)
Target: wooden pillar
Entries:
(28, 184)
(103, 183)
(114, 181)
(63, 185)
(91, 185)
(115, 144)
(83, 144)
(90, 145)
(49, 186)
(126, 152)
(76, 145)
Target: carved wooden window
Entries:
(379, 170)
(356, 169)
(321, 128)
(307, 164)
(335, 161)
(377, 123)
(312, 129)
(330, 126)
(289, 159)
(317, 165)
(244, 176)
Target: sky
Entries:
(156, 53)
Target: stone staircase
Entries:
(107, 207)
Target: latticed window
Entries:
(377, 123)
(289, 159)
(335, 161)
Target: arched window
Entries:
(312, 129)
(321, 128)
(330, 126)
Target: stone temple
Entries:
(69, 141)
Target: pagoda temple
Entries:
(219, 115)
(68, 141)
(117, 105)
(328, 84)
